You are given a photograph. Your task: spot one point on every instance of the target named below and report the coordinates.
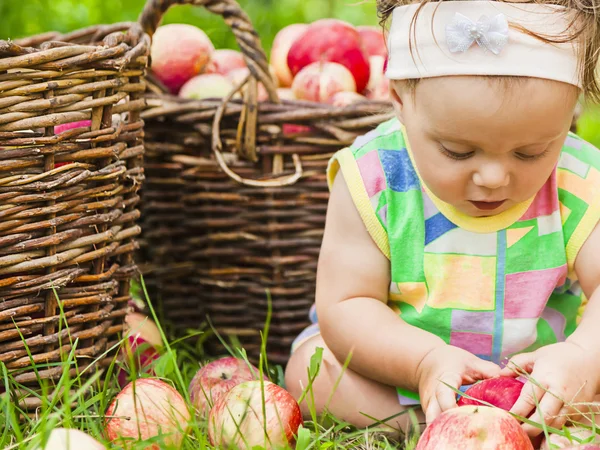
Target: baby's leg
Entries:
(354, 395)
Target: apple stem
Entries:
(223, 376)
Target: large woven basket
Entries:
(233, 205)
(68, 201)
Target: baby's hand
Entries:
(560, 373)
(452, 366)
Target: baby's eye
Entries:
(455, 155)
(526, 157)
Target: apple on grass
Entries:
(217, 378)
(145, 409)
(331, 40)
(239, 419)
(474, 428)
(70, 439)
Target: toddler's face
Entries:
(480, 145)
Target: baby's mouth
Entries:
(488, 206)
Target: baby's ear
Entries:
(398, 99)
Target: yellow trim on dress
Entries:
(586, 225)
(489, 224)
(345, 160)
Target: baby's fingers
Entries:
(519, 363)
(549, 411)
(433, 411)
(531, 395)
(444, 394)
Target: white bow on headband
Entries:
(490, 34)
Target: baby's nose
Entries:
(491, 176)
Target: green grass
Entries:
(80, 401)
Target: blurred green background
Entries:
(20, 18)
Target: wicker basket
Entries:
(235, 202)
(68, 201)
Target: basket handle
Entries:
(249, 43)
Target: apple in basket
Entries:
(345, 98)
(58, 129)
(319, 81)
(145, 409)
(282, 43)
(373, 40)
(474, 428)
(217, 378)
(179, 52)
(237, 76)
(501, 392)
(379, 85)
(70, 439)
(211, 85)
(224, 61)
(237, 420)
(331, 40)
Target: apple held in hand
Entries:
(237, 420)
(217, 378)
(179, 52)
(335, 41)
(71, 439)
(501, 392)
(145, 409)
(474, 428)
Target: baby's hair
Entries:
(584, 30)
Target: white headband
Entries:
(474, 38)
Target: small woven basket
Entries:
(236, 198)
(68, 201)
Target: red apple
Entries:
(138, 356)
(203, 86)
(373, 40)
(237, 420)
(290, 129)
(224, 61)
(71, 439)
(501, 392)
(217, 378)
(281, 47)
(138, 324)
(179, 52)
(474, 428)
(345, 98)
(145, 409)
(379, 85)
(331, 40)
(318, 82)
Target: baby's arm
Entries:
(566, 372)
(352, 290)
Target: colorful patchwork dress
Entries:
(494, 286)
